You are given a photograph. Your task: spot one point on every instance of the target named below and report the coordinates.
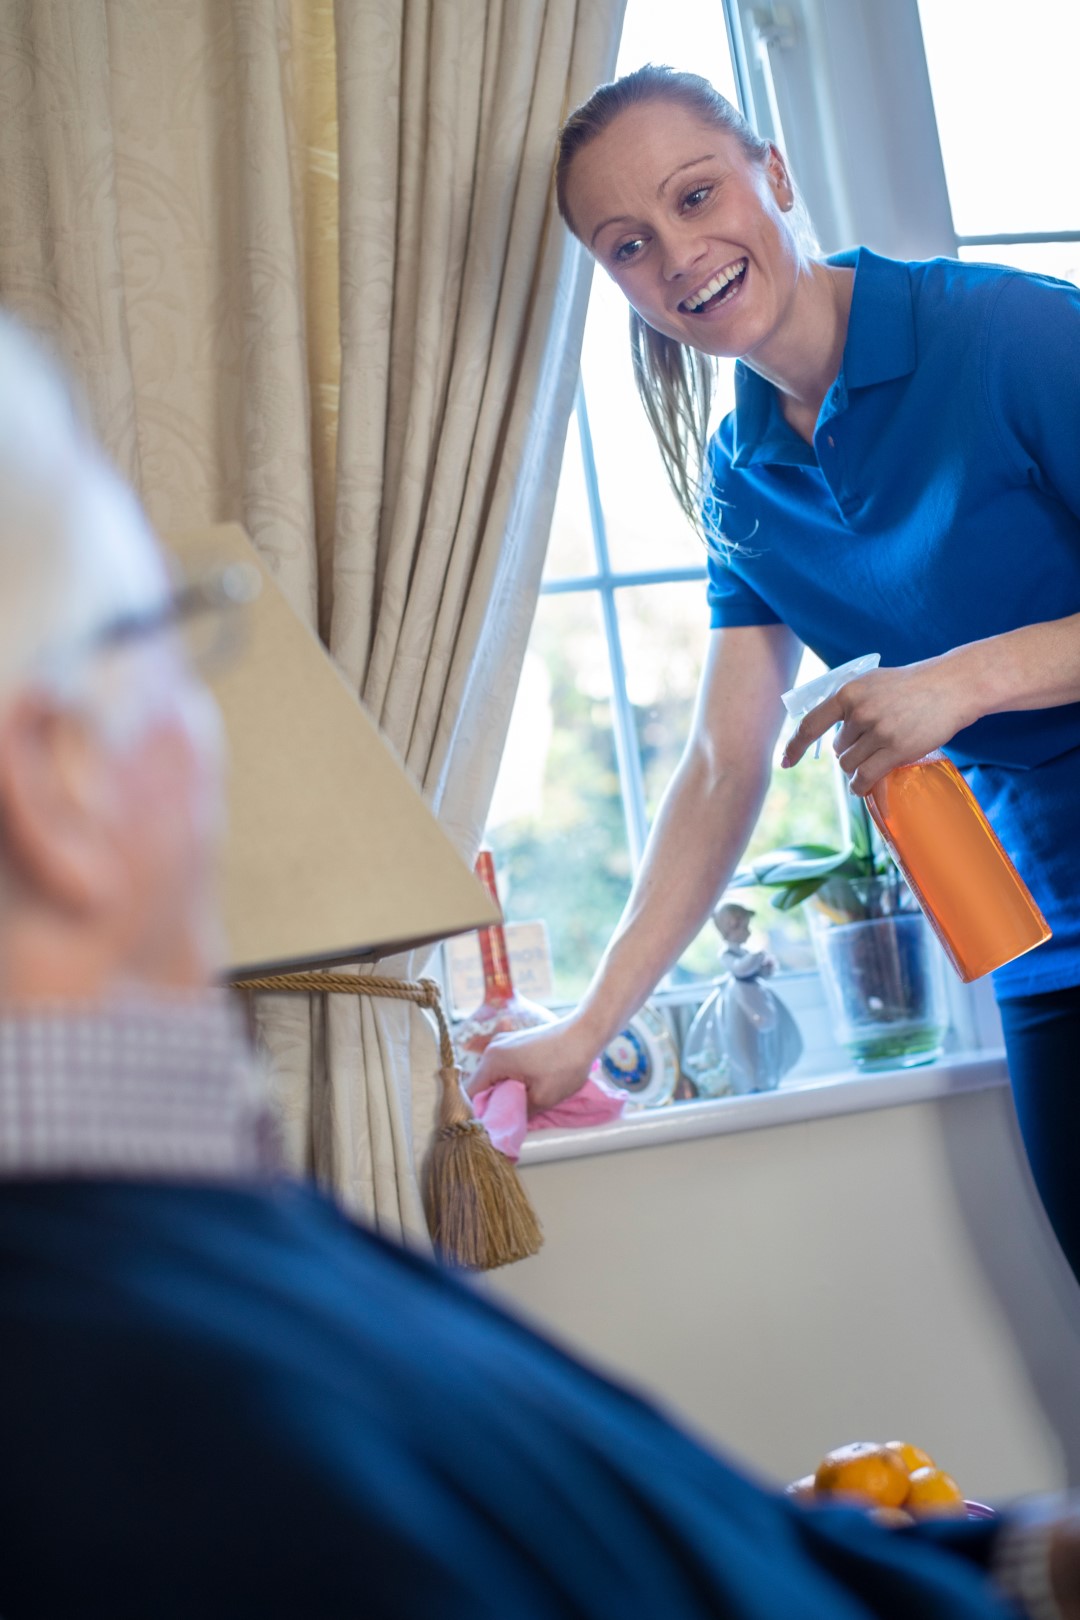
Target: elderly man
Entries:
(217, 1396)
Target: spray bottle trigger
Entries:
(801, 699)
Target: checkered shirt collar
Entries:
(140, 1086)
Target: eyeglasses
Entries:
(207, 612)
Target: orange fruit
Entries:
(911, 1456)
(864, 1469)
(891, 1518)
(801, 1489)
(933, 1491)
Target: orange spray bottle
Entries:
(971, 893)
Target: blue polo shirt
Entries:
(938, 504)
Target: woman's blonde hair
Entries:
(675, 382)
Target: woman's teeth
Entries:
(722, 284)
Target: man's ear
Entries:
(57, 805)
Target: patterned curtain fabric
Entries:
(302, 257)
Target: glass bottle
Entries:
(502, 1009)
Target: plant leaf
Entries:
(795, 893)
(841, 899)
(806, 871)
(786, 865)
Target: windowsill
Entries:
(809, 1097)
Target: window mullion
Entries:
(1016, 238)
(627, 754)
(644, 576)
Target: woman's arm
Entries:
(893, 716)
(707, 815)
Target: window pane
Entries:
(570, 552)
(664, 637)
(1004, 84)
(664, 631)
(645, 528)
(802, 807)
(1060, 259)
(684, 33)
(556, 824)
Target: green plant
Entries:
(838, 880)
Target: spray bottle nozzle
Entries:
(801, 699)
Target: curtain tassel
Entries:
(478, 1213)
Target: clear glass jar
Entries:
(883, 974)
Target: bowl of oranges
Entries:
(896, 1481)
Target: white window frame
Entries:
(604, 582)
(842, 86)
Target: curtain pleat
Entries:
(60, 246)
(301, 256)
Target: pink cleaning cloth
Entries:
(503, 1110)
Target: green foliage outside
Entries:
(569, 864)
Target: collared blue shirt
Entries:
(938, 504)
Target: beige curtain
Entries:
(303, 259)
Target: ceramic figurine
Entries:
(743, 1038)
(760, 1035)
(703, 1061)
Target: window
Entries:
(612, 668)
(1005, 109)
(910, 127)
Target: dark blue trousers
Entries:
(1042, 1039)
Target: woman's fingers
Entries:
(811, 727)
(865, 756)
(853, 748)
(548, 1061)
(867, 775)
(886, 718)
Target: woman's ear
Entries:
(57, 805)
(779, 178)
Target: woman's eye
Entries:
(628, 250)
(694, 199)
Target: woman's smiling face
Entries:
(689, 225)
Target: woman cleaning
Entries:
(900, 474)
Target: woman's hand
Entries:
(552, 1062)
(888, 717)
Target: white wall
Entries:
(874, 1275)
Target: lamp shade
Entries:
(331, 854)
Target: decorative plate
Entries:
(641, 1060)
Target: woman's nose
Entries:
(681, 256)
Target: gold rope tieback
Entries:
(477, 1210)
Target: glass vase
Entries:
(882, 969)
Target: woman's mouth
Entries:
(711, 294)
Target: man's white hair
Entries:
(76, 552)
